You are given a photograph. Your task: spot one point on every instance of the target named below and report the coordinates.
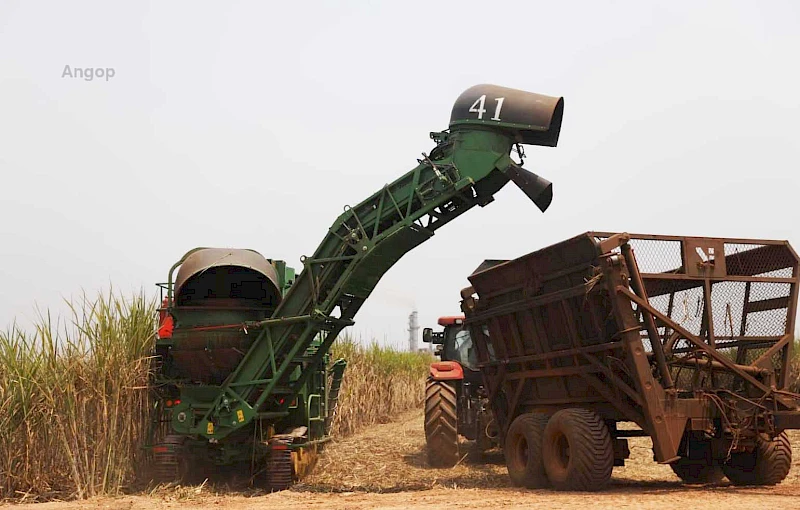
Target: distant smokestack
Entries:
(413, 330)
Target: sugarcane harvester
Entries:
(242, 375)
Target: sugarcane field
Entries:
(432, 255)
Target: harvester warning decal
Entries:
(240, 415)
(210, 428)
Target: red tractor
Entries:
(456, 403)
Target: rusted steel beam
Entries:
(523, 304)
(658, 284)
(743, 326)
(544, 279)
(619, 383)
(630, 412)
(790, 324)
(708, 314)
(760, 260)
(728, 278)
(666, 436)
(670, 306)
(766, 304)
(512, 408)
(550, 372)
(696, 341)
(750, 339)
(573, 333)
(501, 348)
(500, 379)
(562, 401)
(649, 322)
(660, 237)
(610, 346)
(511, 324)
(613, 242)
(771, 352)
(670, 343)
(715, 365)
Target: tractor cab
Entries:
(454, 345)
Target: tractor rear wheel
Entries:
(768, 463)
(523, 451)
(441, 423)
(577, 450)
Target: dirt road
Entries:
(385, 468)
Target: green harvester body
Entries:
(245, 366)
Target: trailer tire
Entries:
(768, 463)
(441, 423)
(523, 451)
(697, 470)
(577, 450)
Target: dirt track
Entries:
(385, 468)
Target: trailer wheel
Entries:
(441, 423)
(523, 451)
(768, 463)
(577, 450)
(697, 470)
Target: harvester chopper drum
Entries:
(243, 378)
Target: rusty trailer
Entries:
(606, 336)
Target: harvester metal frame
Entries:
(360, 246)
(469, 164)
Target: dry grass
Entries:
(391, 458)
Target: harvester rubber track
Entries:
(168, 459)
(279, 467)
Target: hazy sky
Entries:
(251, 124)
